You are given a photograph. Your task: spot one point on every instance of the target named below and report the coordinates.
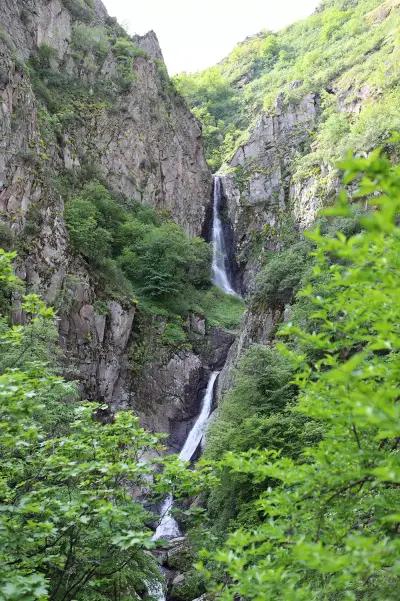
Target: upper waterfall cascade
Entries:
(220, 275)
(168, 527)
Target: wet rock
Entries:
(178, 580)
(168, 395)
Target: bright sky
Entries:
(195, 34)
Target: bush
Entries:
(87, 237)
(6, 236)
(126, 51)
(165, 263)
(278, 281)
(90, 39)
(255, 413)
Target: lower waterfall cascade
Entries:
(168, 527)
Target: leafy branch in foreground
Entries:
(330, 525)
(70, 527)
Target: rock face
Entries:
(145, 144)
(262, 192)
(169, 392)
(259, 185)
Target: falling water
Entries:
(220, 275)
(155, 590)
(168, 528)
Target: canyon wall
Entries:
(132, 131)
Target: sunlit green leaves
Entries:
(330, 526)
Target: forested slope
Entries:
(347, 52)
(303, 505)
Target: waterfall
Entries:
(168, 528)
(156, 590)
(220, 276)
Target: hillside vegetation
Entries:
(305, 501)
(348, 51)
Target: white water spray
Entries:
(220, 275)
(168, 528)
(156, 590)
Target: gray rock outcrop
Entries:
(145, 144)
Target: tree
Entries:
(330, 522)
(69, 525)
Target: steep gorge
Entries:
(87, 110)
(136, 136)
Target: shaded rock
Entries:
(167, 396)
(180, 557)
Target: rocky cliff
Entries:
(121, 121)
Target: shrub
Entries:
(125, 51)
(279, 279)
(90, 39)
(164, 263)
(82, 219)
(6, 236)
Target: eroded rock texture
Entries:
(145, 144)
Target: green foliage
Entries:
(165, 262)
(192, 587)
(6, 236)
(222, 310)
(8, 281)
(82, 220)
(213, 102)
(256, 413)
(67, 99)
(344, 51)
(126, 51)
(69, 527)
(327, 525)
(175, 336)
(90, 39)
(137, 251)
(279, 279)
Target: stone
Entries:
(178, 580)
(180, 557)
(148, 147)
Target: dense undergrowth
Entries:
(347, 52)
(306, 497)
(69, 528)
